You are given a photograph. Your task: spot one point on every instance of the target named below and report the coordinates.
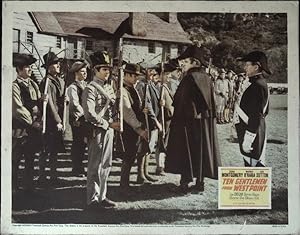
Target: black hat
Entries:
(258, 57)
(194, 52)
(50, 58)
(77, 66)
(132, 69)
(171, 65)
(100, 59)
(20, 60)
(222, 70)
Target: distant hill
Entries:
(229, 35)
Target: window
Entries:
(29, 37)
(151, 47)
(16, 40)
(168, 49)
(58, 42)
(180, 49)
(89, 45)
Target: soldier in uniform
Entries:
(221, 95)
(76, 116)
(26, 116)
(54, 116)
(98, 99)
(193, 149)
(249, 118)
(134, 135)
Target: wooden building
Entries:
(77, 34)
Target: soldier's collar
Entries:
(25, 81)
(99, 81)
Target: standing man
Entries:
(134, 125)
(192, 149)
(76, 116)
(26, 119)
(98, 99)
(221, 95)
(54, 118)
(249, 118)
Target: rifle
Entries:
(162, 92)
(121, 80)
(45, 93)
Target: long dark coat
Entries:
(253, 102)
(192, 148)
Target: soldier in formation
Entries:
(26, 120)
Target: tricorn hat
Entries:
(258, 57)
(132, 69)
(100, 59)
(77, 66)
(20, 60)
(194, 52)
(50, 58)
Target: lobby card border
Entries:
(289, 7)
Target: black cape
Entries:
(192, 148)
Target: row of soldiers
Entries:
(149, 112)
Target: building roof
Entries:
(107, 24)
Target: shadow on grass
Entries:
(140, 216)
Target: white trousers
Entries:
(99, 164)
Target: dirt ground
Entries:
(158, 203)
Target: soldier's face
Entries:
(25, 72)
(54, 68)
(131, 79)
(103, 73)
(222, 75)
(187, 64)
(251, 69)
(81, 74)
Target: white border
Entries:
(289, 7)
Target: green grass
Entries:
(158, 203)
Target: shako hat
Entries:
(258, 57)
(50, 58)
(100, 59)
(194, 52)
(21, 59)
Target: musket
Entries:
(121, 81)
(44, 117)
(65, 96)
(162, 92)
(145, 104)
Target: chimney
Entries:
(170, 17)
(137, 22)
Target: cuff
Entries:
(249, 136)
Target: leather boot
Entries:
(125, 173)
(146, 168)
(141, 179)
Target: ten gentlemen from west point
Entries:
(249, 118)
(193, 149)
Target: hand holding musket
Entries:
(162, 94)
(45, 105)
(145, 110)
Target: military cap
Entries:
(222, 70)
(258, 57)
(50, 58)
(77, 66)
(194, 52)
(20, 60)
(132, 69)
(100, 59)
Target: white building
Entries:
(77, 34)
